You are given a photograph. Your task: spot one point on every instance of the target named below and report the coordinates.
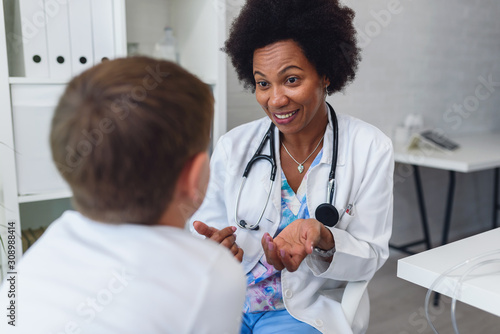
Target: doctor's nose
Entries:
(278, 98)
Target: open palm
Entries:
(289, 248)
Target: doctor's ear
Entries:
(193, 180)
(325, 83)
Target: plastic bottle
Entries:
(166, 48)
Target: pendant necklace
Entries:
(301, 165)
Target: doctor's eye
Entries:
(262, 84)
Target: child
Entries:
(130, 137)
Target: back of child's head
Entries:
(122, 132)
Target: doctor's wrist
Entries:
(327, 242)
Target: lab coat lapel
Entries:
(318, 179)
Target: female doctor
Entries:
(298, 258)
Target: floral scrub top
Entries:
(263, 281)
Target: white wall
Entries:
(241, 105)
(428, 57)
(425, 57)
(146, 20)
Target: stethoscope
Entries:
(326, 212)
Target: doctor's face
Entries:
(289, 88)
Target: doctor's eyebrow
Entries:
(283, 71)
(259, 73)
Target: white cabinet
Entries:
(30, 188)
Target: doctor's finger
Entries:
(234, 249)
(239, 254)
(229, 241)
(266, 238)
(221, 235)
(290, 262)
(204, 229)
(270, 250)
(273, 259)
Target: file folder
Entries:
(80, 30)
(103, 30)
(58, 41)
(34, 36)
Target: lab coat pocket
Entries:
(345, 221)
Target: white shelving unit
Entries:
(200, 29)
(23, 130)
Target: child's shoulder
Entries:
(137, 246)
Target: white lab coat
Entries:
(364, 177)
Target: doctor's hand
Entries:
(224, 237)
(289, 248)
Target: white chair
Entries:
(352, 298)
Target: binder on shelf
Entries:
(103, 30)
(80, 30)
(34, 38)
(58, 40)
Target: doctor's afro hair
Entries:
(322, 28)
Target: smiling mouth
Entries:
(285, 116)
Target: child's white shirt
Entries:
(84, 276)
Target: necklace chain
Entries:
(301, 165)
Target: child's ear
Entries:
(194, 177)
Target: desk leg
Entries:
(449, 207)
(447, 219)
(423, 218)
(421, 206)
(496, 205)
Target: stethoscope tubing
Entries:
(271, 158)
(256, 225)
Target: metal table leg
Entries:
(447, 219)
(496, 205)
(423, 217)
(449, 207)
(421, 206)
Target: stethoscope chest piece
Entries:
(327, 214)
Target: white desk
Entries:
(481, 289)
(477, 152)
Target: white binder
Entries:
(103, 30)
(33, 27)
(80, 30)
(58, 41)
